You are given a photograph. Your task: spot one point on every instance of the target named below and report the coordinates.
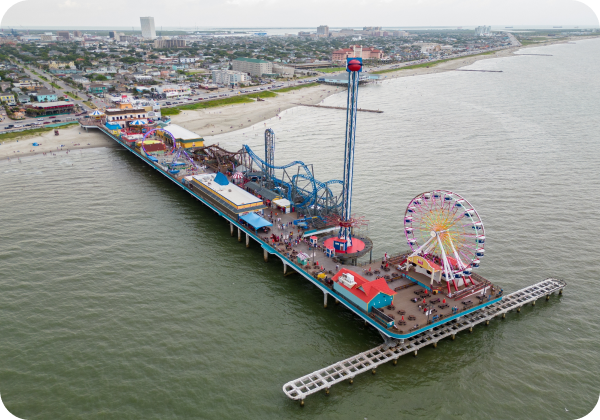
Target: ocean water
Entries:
(122, 297)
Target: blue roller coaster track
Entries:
(319, 198)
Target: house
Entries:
(4, 86)
(8, 98)
(97, 89)
(361, 292)
(44, 95)
(24, 99)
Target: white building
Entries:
(229, 77)
(483, 31)
(173, 91)
(252, 66)
(189, 59)
(148, 30)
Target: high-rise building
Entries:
(148, 30)
(77, 34)
(483, 31)
(63, 34)
(112, 34)
(170, 43)
(323, 31)
(252, 66)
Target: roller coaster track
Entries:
(310, 197)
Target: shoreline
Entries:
(213, 121)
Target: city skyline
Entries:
(69, 13)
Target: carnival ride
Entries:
(444, 228)
(308, 195)
(176, 152)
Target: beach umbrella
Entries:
(424, 301)
(238, 175)
(444, 301)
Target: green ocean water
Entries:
(123, 297)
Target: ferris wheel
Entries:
(444, 228)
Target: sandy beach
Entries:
(70, 138)
(213, 121)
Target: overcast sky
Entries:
(298, 13)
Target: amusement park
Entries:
(428, 290)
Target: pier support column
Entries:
(373, 371)
(326, 391)
(231, 228)
(547, 297)
(470, 329)
(239, 235)
(504, 315)
(519, 309)
(247, 241)
(453, 336)
(560, 292)
(533, 303)
(265, 255)
(337, 301)
(487, 322)
(351, 381)
(434, 345)
(284, 268)
(324, 299)
(395, 362)
(301, 403)
(415, 354)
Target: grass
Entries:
(331, 69)
(55, 86)
(90, 105)
(39, 75)
(219, 102)
(170, 111)
(72, 95)
(15, 135)
(429, 64)
(287, 89)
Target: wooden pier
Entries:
(342, 108)
(392, 350)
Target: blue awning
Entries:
(255, 220)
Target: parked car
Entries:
(55, 121)
(8, 127)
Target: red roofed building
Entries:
(361, 292)
(356, 51)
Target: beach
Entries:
(219, 120)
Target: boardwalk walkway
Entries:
(347, 369)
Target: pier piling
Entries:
(231, 228)
(247, 241)
(325, 299)
(239, 235)
(265, 255)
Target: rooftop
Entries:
(251, 60)
(181, 133)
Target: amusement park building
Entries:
(364, 293)
(126, 115)
(173, 91)
(356, 51)
(185, 137)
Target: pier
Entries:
(392, 350)
(342, 108)
(542, 55)
(483, 71)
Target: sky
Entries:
(305, 13)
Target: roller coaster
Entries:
(309, 195)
